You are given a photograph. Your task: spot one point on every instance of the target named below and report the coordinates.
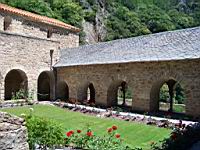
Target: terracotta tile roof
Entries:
(37, 18)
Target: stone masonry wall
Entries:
(25, 27)
(144, 79)
(31, 55)
(13, 133)
(1, 22)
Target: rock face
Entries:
(90, 33)
(95, 32)
(13, 133)
(100, 17)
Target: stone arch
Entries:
(45, 87)
(91, 93)
(15, 80)
(112, 92)
(84, 94)
(155, 91)
(62, 91)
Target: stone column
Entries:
(141, 98)
(101, 96)
(170, 85)
(2, 91)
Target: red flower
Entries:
(72, 132)
(117, 135)
(68, 134)
(78, 131)
(89, 133)
(173, 136)
(110, 130)
(114, 127)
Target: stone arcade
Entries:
(145, 63)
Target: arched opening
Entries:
(91, 94)
(124, 95)
(7, 22)
(16, 85)
(45, 86)
(86, 93)
(172, 97)
(62, 91)
(168, 96)
(119, 94)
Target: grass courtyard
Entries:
(134, 134)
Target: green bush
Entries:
(179, 94)
(23, 94)
(182, 138)
(164, 93)
(43, 132)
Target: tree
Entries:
(35, 6)
(123, 23)
(70, 12)
(180, 95)
(181, 20)
(155, 19)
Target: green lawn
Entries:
(134, 134)
(179, 108)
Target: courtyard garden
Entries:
(133, 134)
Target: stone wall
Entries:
(29, 55)
(13, 133)
(144, 79)
(22, 26)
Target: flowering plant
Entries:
(88, 140)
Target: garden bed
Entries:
(134, 134)
(126, 116)
(15, 103)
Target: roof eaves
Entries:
(37, 18)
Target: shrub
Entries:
(43, 132)
(23, 94)
(181, 138)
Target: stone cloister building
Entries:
(145, 63)
(30, 45)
